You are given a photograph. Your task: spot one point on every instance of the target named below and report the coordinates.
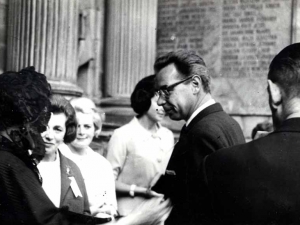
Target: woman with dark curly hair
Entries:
(140, 150)
(24, 114)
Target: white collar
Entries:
(201, 108)
(50, 163)
(144, 130)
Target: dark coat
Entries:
(75, 204)
(212, 129)
(23, 200)
(257, 182)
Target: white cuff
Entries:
(132, 188)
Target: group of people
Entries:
(50, 175)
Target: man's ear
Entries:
(275, 94)
(196, 84)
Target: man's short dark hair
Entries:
(187, 63)
(142, 94)
(285, 70)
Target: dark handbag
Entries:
(166, 184)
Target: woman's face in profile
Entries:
(155, 112)
(85, 130)
(54, 135)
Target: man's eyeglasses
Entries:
(164, 92)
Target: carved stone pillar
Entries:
(3, 29)
(90, 50)
(295, 36)
(130, 44)
(44, 34)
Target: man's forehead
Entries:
(167, 75)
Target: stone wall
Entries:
(237, 39)
(3, 7)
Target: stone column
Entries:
(44, 34)
(90, 50)
(130, 44)
(3, 29)
(295, 35)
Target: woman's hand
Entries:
(150, 194)
(147, 192)
(150, 212)
(105, 211)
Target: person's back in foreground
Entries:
(259, 182)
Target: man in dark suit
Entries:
(259, 182)
(183, 86)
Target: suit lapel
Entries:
(184, 135)
(205, 112)
(65, 173)
(181, 146)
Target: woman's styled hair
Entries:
(24, 103)
(61, 105)
(142, 94)
(24, 98)
(87, 106)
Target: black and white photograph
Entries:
(149, 112)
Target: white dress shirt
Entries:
(50, 172)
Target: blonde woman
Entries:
(95, 169)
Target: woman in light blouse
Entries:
(140, 150)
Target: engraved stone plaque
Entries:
(236, 38)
